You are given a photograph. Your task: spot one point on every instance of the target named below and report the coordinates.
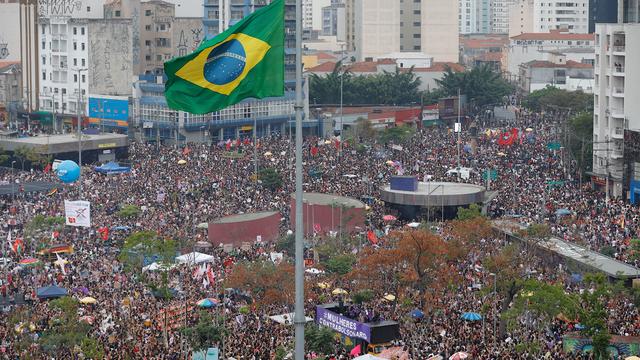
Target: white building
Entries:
(474, 16)
(410, 26)
(616, 105)
(312, 13)
(377, 28)
(499, 15)
(527, 47)
(440, 38)
(527, 16)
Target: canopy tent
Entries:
(194, 258)
(112, 168)
(51, 292)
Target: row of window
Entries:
(62, 29)
(62, 46)
(63, 77)
(63, 62)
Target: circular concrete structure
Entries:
(323, 213)
(237, 229)
(445, 197)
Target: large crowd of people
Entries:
(175, 196)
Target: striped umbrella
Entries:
(29, 262)
(207, 303)
(471, 316)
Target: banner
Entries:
(343, 325)
(77, 213)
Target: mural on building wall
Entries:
(48, 8)
(135, 20)
(196, 36)
(110, 53)
(187, 35)
(4, 49)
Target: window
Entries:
(159, 57)
(83, 63)
(416, 36)
(82, 30)
(75, 46)
(75, 78)
(75, 30)
(82, 46)
(416, 12)
(147, 27)
(44, 60)
(162, 27)
(55, 90)
(84, 91)
(42, 29)
(147, 42)
(44, 76)
(147, 13)
(147, 57)
(75, 62)
(84, 78)
(43, 45)
(64, 91)
(117, 13)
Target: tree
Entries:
(128, 211)
(24, 153)
(396, 134)
(41, 227)
(340, 264)
(474, 211)
(319, 339)
(205, 333)
(270, 178)
(267, 282)
(287, 244)
(553, 98)
(594, 315)
(3, 156)
(581, 145)
(481, 85)
(423, 254)
(67, 335)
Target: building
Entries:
(567, 75)
(439, 30)
(527, 16)
(527, 47)
(10, 92)
(500, 15)
(350, 24)
(377, 28)
(602, 12)
(333, 21)
(312, 17)
(479, 49)
(410, 26)
(617, 86)
(474, 16)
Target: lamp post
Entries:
(79, 124)
(13, 182)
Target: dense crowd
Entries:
(175, 197)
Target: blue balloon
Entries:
(68, 171)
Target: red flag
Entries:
(238, 142)
(314, 151)
(104, 232)
(228, 262)
(317, 228)
(337, 144)
(371, 235)
(356, 350)
(227, 145)
(47, 168)
(210, 276)
(186, 151)
(55, 234)
(17, 246)
(507, 138)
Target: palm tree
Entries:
(481, 84)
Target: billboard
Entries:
(109, 108)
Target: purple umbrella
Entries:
(81, 289)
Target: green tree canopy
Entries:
(580, 144)
(270, 178)
(551, 98)
(481, 84)
(205, 333)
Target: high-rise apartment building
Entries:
(411, 25)
(377, 28)
(474, 16)
(543, 16)
(617, 86)
(333, 20)
(439, 30)
(602, 12)
(500, 14)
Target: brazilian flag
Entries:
(246, 61)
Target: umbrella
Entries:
(417, 314)
(81, 289)
(49, 292)
(339, 291)
(413, 224)
(322, 285)
(120, 227)
(388, 218)
(182, 162)
(459, 355)
(563, 212)
(207, 303)
(314, 271)
(502, 154)
(203, 244)
(29, 261)
(88, 300)
(580, 327)
(389, 162)
(203, 225)
(268, 153)
(389, 297)
(471, 316)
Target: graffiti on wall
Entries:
(4, 49)
(110, 57)
(48, 8)
(196, 36)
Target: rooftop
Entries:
(330, 199)
(548, 64)
(554, 35)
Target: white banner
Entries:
(77, 213)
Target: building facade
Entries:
(617, 86)
(411, 25)
(559, 73)
(439, 30)
(500, 11)
(377, 28)
(474, 16)
(333, 21)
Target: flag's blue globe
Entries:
(68, 171)
(225, 63)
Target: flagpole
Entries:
(299, 318)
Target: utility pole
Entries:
(459, 128)
(299, 319)
(79, 124)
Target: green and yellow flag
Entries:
(245, 61)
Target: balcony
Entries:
(618, 92)
(618, 71)
(617, 133)
(618, 50)
(617, 113)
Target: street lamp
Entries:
(79, 124)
